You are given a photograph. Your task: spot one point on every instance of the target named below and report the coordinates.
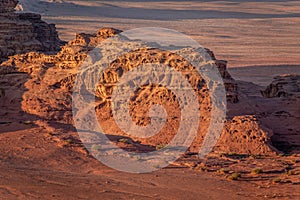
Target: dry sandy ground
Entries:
(245, 33)
(35, 166)
(262, 75)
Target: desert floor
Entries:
(35, 166)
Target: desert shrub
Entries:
(276, 180)
(95, 147)
(68, 141)
(234, 176)
(225, 171)
(160, 146)
(123, 140)
(257, 171)
(291, 172)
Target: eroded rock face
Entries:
(53, 76)
(283, 86)
(24, 32)
(47, 94)
(7, 5)
(246, 135)
(282, 106)
(49, 89)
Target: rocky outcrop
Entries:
(283, 86)
(48, 92)
(7, 6)
(246, 135)
(282, 103)
(52, 76)
(24, 32)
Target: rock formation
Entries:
(282, 105)
(42, 84)
(283, 86)
(48, 93)
(8, 6)
(52, 76)
(246, 135)
(24, 32)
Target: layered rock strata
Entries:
(24, 32)
(287, 85)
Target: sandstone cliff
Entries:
(50, 79)
(287, 85)
(24, 32)
(282, 105)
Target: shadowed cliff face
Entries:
(8, 6)
(24, 32)
(284, 95)
(283, 86)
